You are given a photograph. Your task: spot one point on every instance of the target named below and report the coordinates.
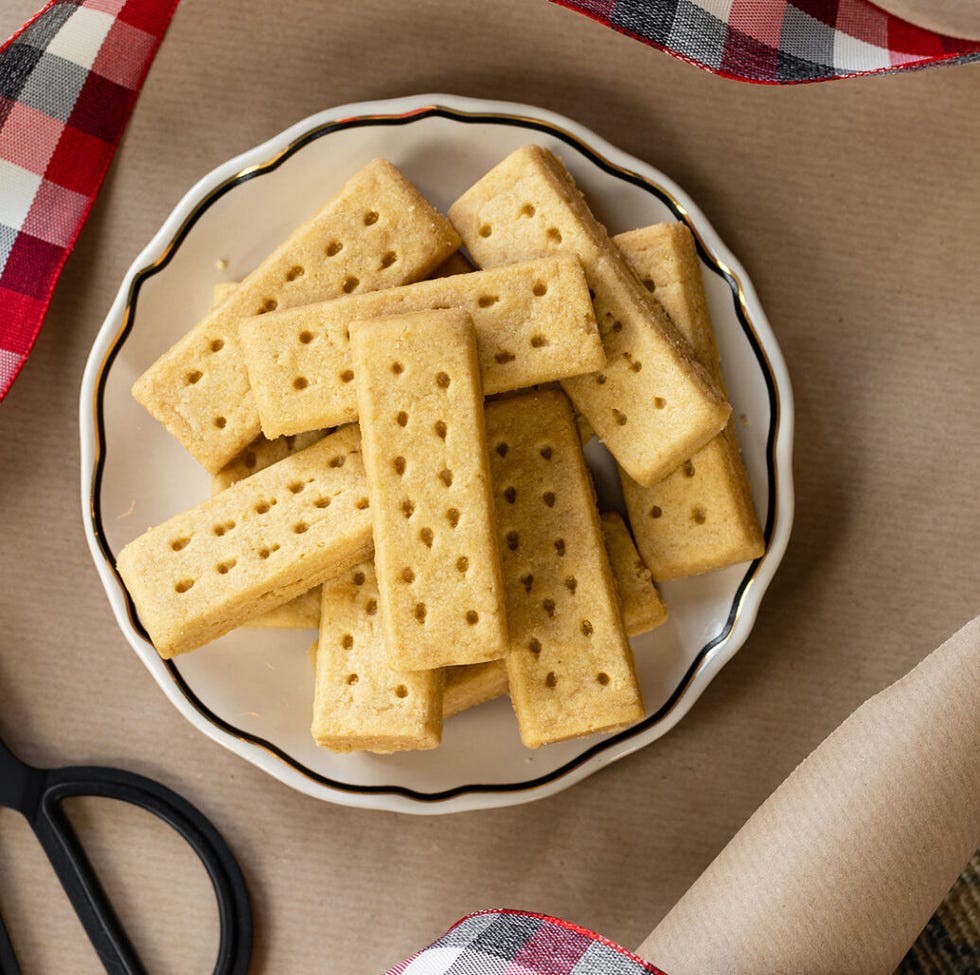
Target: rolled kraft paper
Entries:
(841, 868)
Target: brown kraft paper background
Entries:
(853, 206)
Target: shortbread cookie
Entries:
(698, 519)
(254, 546)
(303, 612)
(534, 322)
(425, 455)
(642, 608)
(664, 257)
(640, 603)
(361, 703)
(456, 263)
(378, 232)
(465, 686)
(653, 405)
(570, 666)
(701, 517)
(260, 454)
(585, 431)
(223, 290)
(472, 684)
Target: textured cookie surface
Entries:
(425, 455)
(471, 684)
(665, 259)
(378, 232)
(653, 405)
(360, 702)
(300, 613)
(701, 517)
(456, 263)
(640, 603)
(534, 323)
(642, 608)
(260, 454)
(570, 665)
(303, 612)
(252, 547)
(222, 290)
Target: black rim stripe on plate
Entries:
(607, 167)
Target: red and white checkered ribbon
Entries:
(780, 41)
(517, 943)
(68, 82)
(69, 79)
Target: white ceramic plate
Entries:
(252, 690)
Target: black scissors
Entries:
(39, 793)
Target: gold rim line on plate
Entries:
(311, 135)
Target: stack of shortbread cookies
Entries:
(395, 440)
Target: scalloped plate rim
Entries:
(472, 796)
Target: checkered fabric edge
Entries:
(68, 81)
(780, 42)
(505, 942)
(950, 942)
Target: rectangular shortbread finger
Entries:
(300, 613)
(223, 289)
(570, 665)
(640, 603)
(252, 547)
(303, 612)
(652, 405)
(360, 702)
(378, 232)
(534, 322)
(260, 454)
(456, 263)
(664, 257)
(465, 686)
(701, 517)
(471, 684)
(425, 456)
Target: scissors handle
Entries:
(82, 886)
